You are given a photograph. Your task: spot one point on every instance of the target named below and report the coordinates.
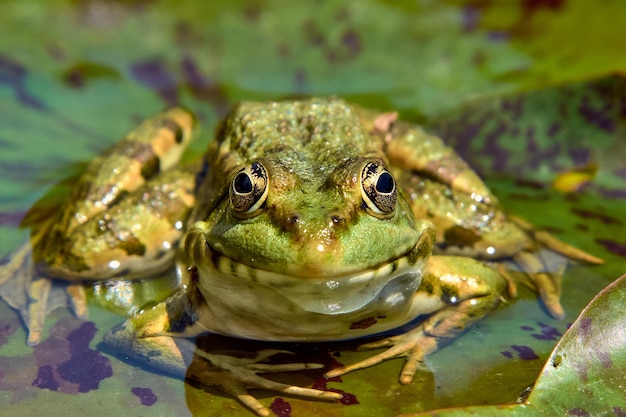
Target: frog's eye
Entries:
(248, 190)
(378, 189)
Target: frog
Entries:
(306, 220)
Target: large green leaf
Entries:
(74, 76)
(586, 373)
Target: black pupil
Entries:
(243, 183)
(384, 184)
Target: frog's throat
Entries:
(392, 282)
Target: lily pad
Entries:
(586, 373)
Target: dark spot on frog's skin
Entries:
(507, 354)
(290, 223)
(524, 352)
(132, 246)
(459, 236)
(363, 324)
(145, 395)
(14, 75)
(173, 127)
(449, 295)
(151, 167)
(215, 259)
(280, 407)
(153, 353)
(153, 74)
(578, 412)
(619, 411)
(588, 214)
(613, 246)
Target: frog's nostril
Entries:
(337, 220)
(290, 224)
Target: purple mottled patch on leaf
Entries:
(64, 361)
(547, 333)
(352, 41)
(585, 326)
(45, 379)
(578, 412)
(7, 328)
(153, 74)
(280, 407)
(611, 192)
(597, 117)
(507, 354)
(554, 129)
(14, 75)
(499, 156)
(524, 352)
(470, 18)
(203, 87)
(588, 214)
(613, 246)
(145, 395)
(86, 367)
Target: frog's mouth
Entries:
(389, 284)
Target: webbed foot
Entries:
(236, 375)
(36, 297)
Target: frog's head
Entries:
(298, 238)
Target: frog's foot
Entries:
(35, 297)
(415, 346)
(543, 269)
(45, 295)
(235, 375)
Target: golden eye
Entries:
(248, 190)
(378, 189)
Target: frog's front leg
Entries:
(159, 337)
(457, 292)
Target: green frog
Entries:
(307, 220)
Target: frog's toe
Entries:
(414, 345)
(547, 284)
(237, 375)
(38, 292)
